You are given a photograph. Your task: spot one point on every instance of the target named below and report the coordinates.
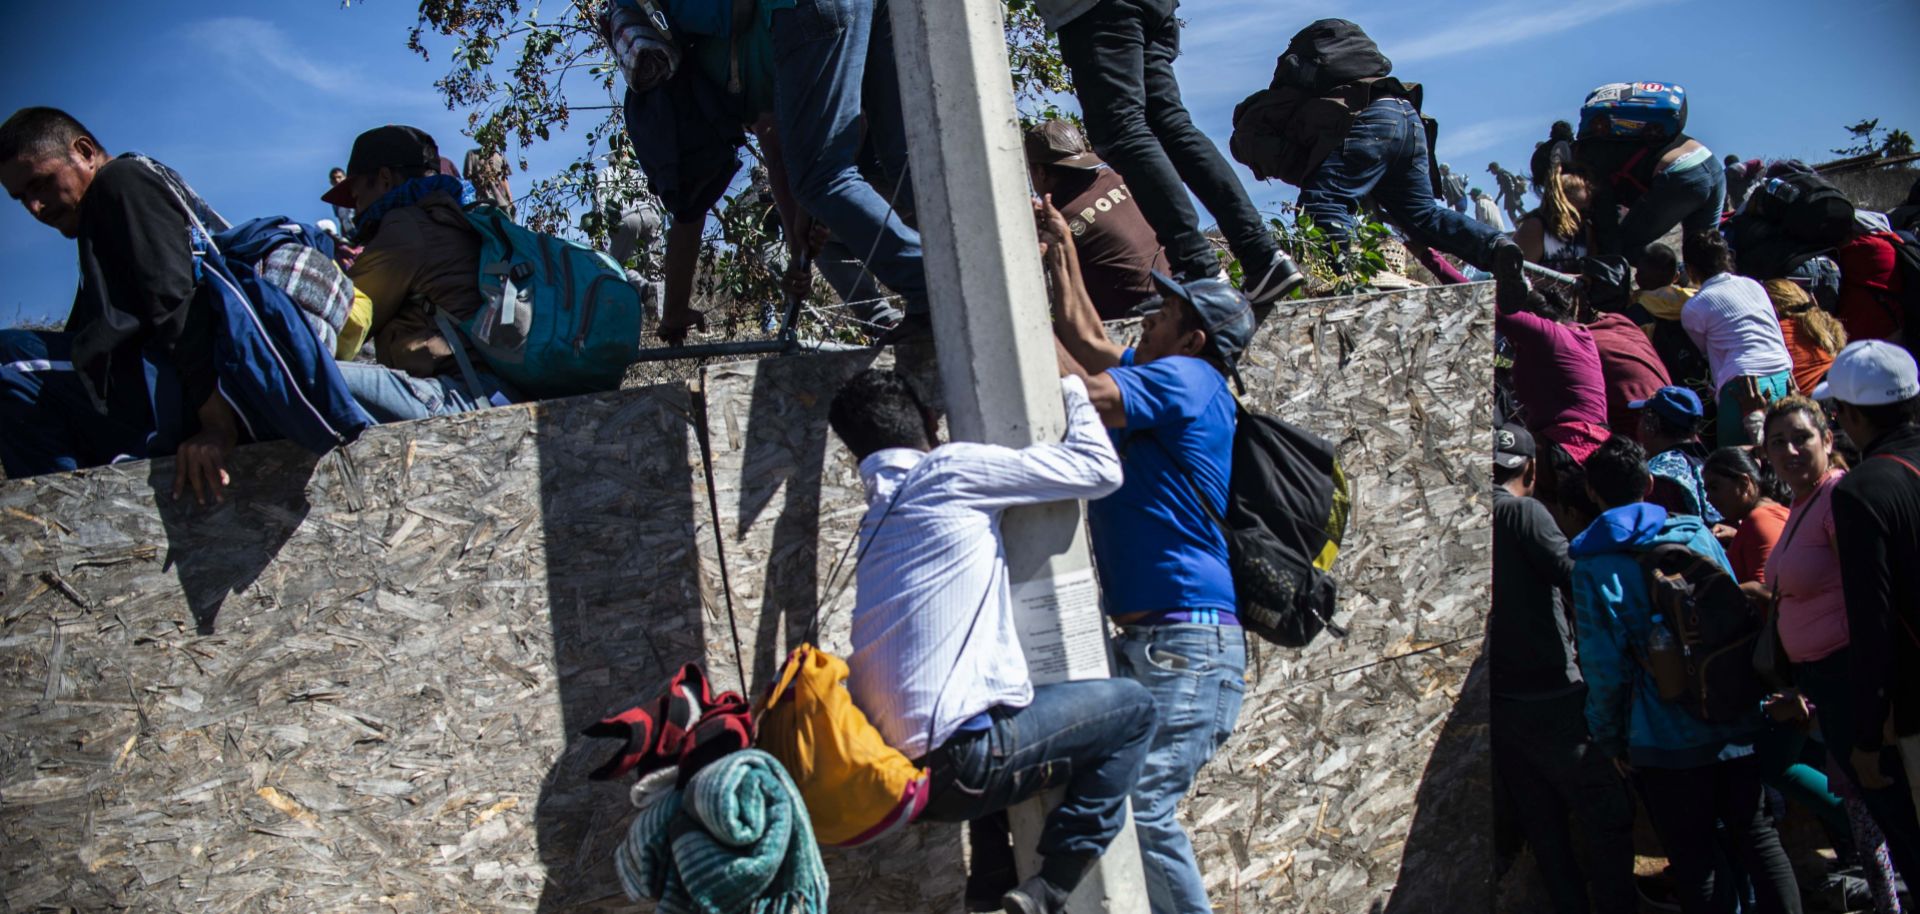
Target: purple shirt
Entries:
(1556, 371)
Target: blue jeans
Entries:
(1121, 53)
(389, 395)
(1729, 422)
(1385, 156)
(1828, 684)
(1691, 199)
(48, 423)
(1197, 675)
(834, 63)
(1088, 736)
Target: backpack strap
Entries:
(458, 343)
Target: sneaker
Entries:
(1277, 281)
(1034, 896)
(914, 329)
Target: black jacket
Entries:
(137, 293)
(1876, 519)
(1529, 634)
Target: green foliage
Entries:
(522, 71)
(1342, 269)
(1868, 138)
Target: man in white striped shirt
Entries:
(1731, 319)
(936, 663)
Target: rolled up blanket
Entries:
(749, 846)
(643, 51)
(644, 861)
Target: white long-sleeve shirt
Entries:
(1732, 321)
(937, 559)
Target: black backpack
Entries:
(1328, 53)
(1287, 508)
(1715, 628)
(1807, 207)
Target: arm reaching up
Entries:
(1075, 321)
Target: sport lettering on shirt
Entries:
(1091, 214)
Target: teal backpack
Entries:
(559, 317)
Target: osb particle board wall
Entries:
(352, 686)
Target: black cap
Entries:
(1512, 446)
(394, 146)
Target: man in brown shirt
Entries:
(420, 255)
(1119, 252)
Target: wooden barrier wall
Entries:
(354, 685)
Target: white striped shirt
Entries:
(1732, 321)
(937, 559)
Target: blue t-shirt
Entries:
(1159, 551)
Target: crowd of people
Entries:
(1658, 405)
(1703, 524)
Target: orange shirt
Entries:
(1754, 540)
(1810, 362)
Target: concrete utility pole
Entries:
(994, 336)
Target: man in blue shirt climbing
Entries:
(1162, 559)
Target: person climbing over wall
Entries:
(1162, 559)
(1117, 250)
(1335, 124)
(932, 566)
(1121, 55)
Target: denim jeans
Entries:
(1691, 199)
(1545, 760)
(1121, 54)
(867, 303)
(389, 395)
(834, 63)
(1827, 683)
(48, 423)
(1197, 674)
(1685, 804)
(1385, 156)
(1088, 736)
(1730, 424)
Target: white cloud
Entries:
(1505, 24)
(1463, 141)
(262, 52)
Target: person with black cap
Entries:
(1117, 249)
(1543, 757)
(1875, 389)
(420, 256)
(1162, 559)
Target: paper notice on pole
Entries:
(1060, 627)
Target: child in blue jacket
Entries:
(1690, 773)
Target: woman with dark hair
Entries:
(1749, 501)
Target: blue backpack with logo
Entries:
(1646, 111)
(558, 318)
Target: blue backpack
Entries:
(558, 318)
(280, 381)
(1645, 111)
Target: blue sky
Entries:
(254, 101)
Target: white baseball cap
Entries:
(1870, 373)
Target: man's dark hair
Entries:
(1617, 472)
(1706, 254)
(1889, 416)
(1658, 267)
(40, 131)
(875, 410)
(1730, 159)
(1503, 475)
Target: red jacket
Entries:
(1630, 366)
(1868, 279)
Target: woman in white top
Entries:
(1731, 320)
(1559, 234)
